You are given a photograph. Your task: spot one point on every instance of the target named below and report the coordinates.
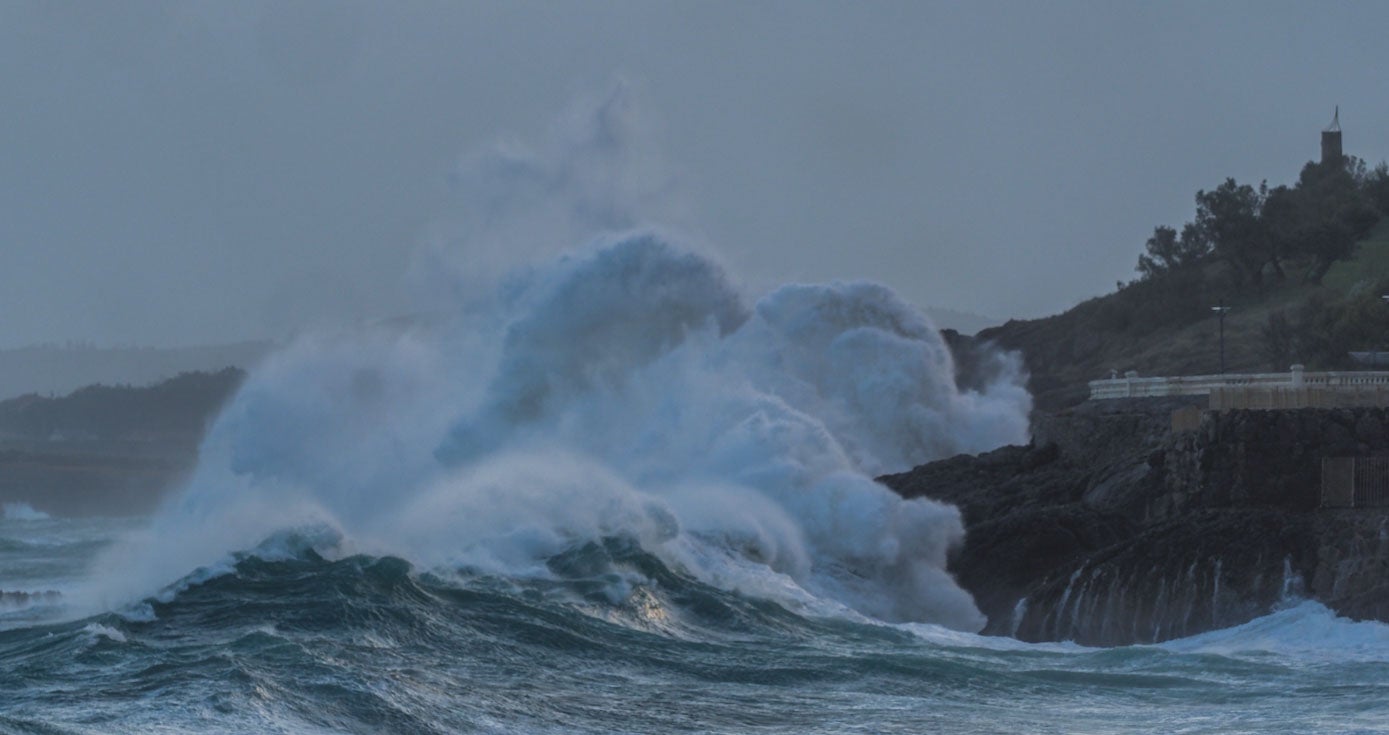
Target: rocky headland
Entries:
(1112, 528)
(107, 450)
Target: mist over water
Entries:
(626, 387)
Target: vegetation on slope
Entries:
(174, 411)
(107, 450)
(1300, 267)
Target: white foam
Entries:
(627, 388)
(21, 512)
(1304, 630)
(97, 630)
(139, 613)
(947, 637)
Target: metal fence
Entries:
(1355, 482)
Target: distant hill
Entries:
(60, 369)
(172, 413)
(105, 450)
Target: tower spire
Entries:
(1331, 140)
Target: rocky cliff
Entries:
(1111, 528)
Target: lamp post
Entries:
(1385, 299)
(1221, 309)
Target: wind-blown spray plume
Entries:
(626, 390)
(599, 170)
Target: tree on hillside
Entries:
(1336, 208)
(1281, 226)
(1377, 187)
(1229, 218)
(1167, 252)
(1321, 333)
(1255, 231)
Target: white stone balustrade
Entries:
(1132, 386)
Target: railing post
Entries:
(1297, 376)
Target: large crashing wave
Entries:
(626, 389)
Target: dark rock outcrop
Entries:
(1111, 529)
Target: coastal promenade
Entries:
(1293, 389)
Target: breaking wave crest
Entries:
(625, 389)
(21, 512)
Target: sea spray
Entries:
(629, 389)
(706, 434)
(17, 511)
(598, 169)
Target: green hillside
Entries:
(1369, 266)
(1165, 326)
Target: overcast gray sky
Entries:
(192, 172)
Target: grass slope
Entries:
(1169, 328)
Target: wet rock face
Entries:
(1352, 563)
(1266, 459)
(1110, 529)
(1025, 517)
(1215, 569)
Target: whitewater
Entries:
(600, 488)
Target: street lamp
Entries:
(1221, 309)
(1385, 299)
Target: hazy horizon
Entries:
(204, 173)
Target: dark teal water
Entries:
(302, 643)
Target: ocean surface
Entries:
(285, 639)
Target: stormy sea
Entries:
(616, 498)
(608, 638)
(606, 491)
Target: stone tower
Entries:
(1331, 139)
